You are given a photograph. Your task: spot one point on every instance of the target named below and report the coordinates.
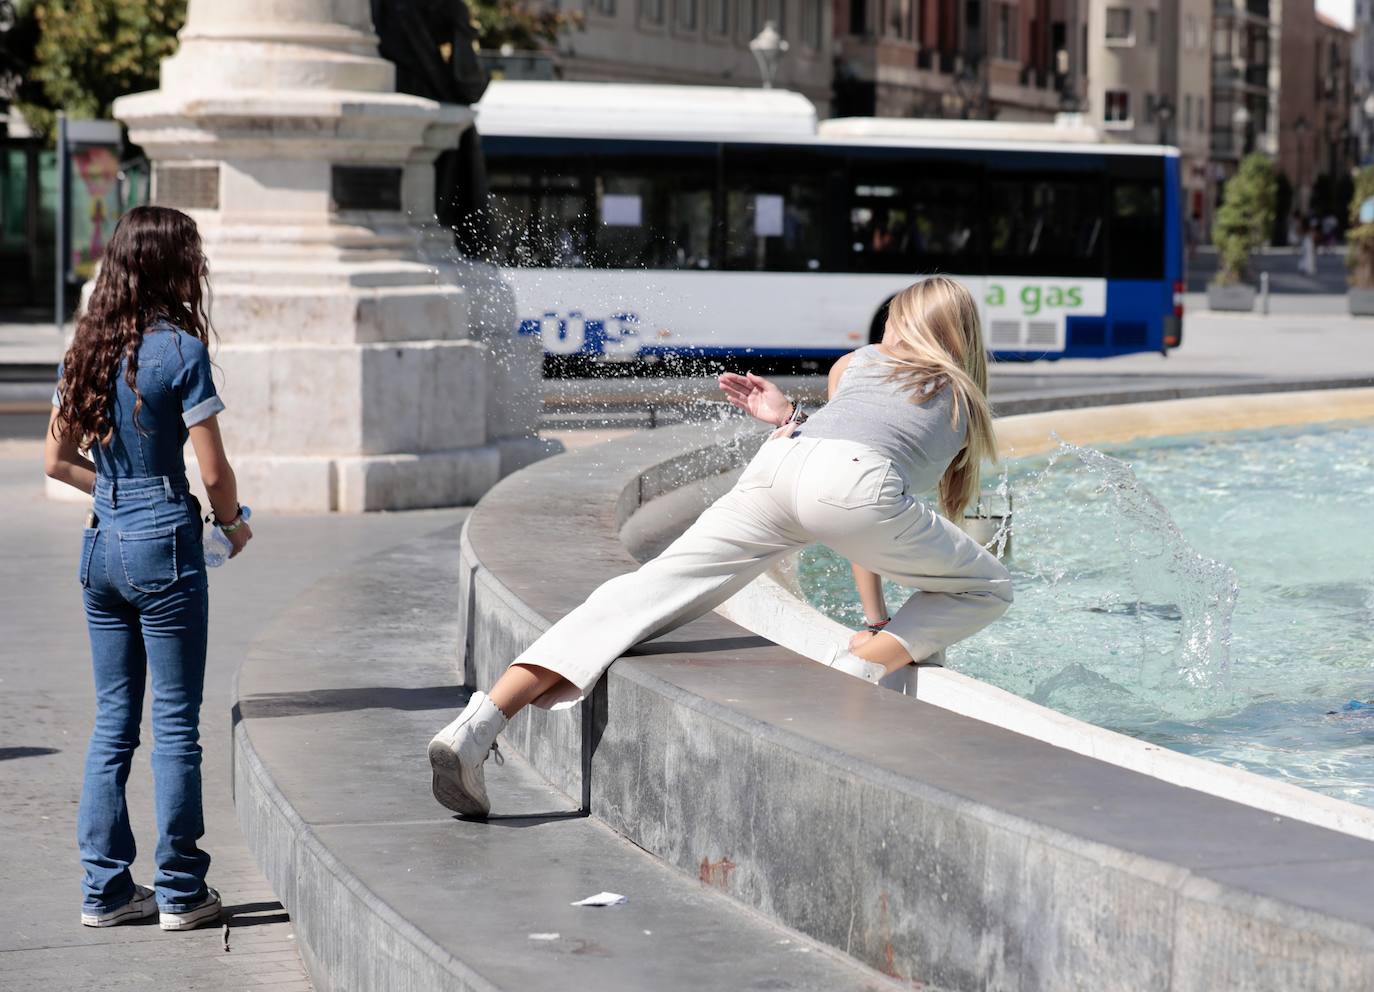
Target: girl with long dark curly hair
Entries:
(132, 388)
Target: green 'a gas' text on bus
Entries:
(638, 221)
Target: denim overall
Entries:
(142, 574)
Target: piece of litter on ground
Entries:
(648, 933)
(602, 899)
(545, 936)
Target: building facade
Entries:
(700, 42)
(1336, 149)
(982, 59)
(1149, 81)
(1362, 80)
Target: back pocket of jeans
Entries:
(83, 568)
(149, 558)
(762, 469)
(859, 483)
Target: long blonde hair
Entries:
(936, 338)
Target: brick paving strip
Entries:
(46, 711)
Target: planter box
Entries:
(1362, 302)
(1235, 297)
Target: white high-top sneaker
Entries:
(852, 664)
(457, 753)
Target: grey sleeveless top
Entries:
(870, 410)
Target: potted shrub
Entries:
(1246, 214)
(1360, 239)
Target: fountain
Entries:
(358, 369)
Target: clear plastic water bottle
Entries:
(217, 546)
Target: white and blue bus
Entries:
(635, 222)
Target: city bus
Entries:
(635, 222)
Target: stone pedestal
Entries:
(364, 365)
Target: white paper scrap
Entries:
(603, 899)
(767, 215)
(545, 936)
(621, 210)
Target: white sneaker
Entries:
(140, 907)
(852, 664)
(457, 753)
(206, 911)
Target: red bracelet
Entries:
(875, 627)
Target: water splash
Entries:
(1165, 648)
(1204, 590)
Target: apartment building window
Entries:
(1117, 107)
(776, 11)
(602, 8)
(718, 17)
(1152, 26)
(748, 18)
(651, 11)
(812, 15)
(858, 17)
(686, 14)
(1119, 28)
(1007, 47)
(1202, 113)
(1187, 111)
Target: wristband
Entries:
(878, 625)
(232, 525)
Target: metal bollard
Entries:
(1264, 293)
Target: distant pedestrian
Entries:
(1329, 229)
(1307, 247)
(906, 415)
(132, 387)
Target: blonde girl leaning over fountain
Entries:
(905, 416)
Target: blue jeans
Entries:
(142, 573)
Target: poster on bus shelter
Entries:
(95, 205)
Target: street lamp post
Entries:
(768, 48)
(1164, 113)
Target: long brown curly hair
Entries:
(153, 270)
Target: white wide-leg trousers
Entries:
(796, 491)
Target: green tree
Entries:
(523, 26)
(88, 52)
(1360, 236)
(1245, 217)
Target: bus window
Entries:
(930, 226)
(1137, 229)
(537, 220)
(654, 213)
(775, 209)
(1044, 225)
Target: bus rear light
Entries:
(1178, 299)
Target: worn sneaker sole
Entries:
(448, 785)
(139, 908)
(209, 911)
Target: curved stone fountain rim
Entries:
(732, 758)
(772, 608)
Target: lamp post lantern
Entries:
(768, 47)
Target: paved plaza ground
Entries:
(46, 704)
(46, 711)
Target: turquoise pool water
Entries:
(1212, 594)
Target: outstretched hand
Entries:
(756, 396)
